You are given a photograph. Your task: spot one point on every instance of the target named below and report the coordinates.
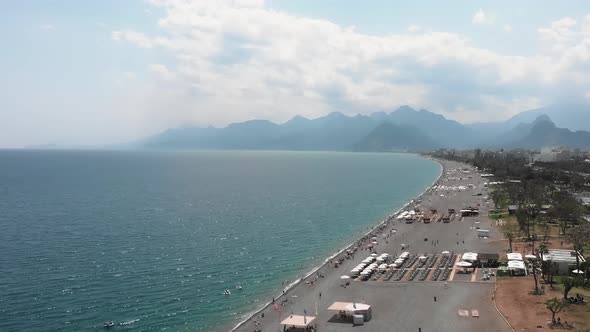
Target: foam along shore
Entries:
(319, 270)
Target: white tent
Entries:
(446, 252)
(530, 257)
(422, 257)
(463, 264)
(514, 256)
(578, 271)
(469, 256)
(345, 277)
(374, 255)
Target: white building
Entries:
(552, 154)
(565, 259)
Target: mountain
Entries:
(574, 115)
(447, 132)
(390, 137)
(402, 129)
(545, 133)
(334, 131)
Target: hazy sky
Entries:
(91, 72)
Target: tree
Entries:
(566, 209)
(580, 238)
(545, 228)
(542, 251)
(569, 283)
(499, 198)
(535, 278)
(555, 305)
(509, 233)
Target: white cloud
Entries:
(136, 38)
(47, 27)
(481, 17)
(507, 27)
(238, 60)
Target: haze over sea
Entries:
(151, 239)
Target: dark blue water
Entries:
(151, 239)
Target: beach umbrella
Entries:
(392, 265)
(374, 255)
(578, 271)
(374, 242)
(463, 264)
(422, 257)
(344, 278)
(446, 252)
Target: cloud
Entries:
(507, 27)
(133, 37)
(47, 27)
(236, 60)
(481, 17)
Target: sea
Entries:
(151, 239)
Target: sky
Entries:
(109, 71)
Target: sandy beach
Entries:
(405, 305)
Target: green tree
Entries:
(580, 238)
(542, 251)
(556, 306)
(510, 234)
(569, 283)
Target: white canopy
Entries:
(514, 256)
(298, 321)
(463, 264)
(374, 255)
(344, 277)
(578, 271)
(530, 257)
(357, 307)
(469, 256)
(446, 252)
(380, 259)
(422, 257)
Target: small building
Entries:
(512, 209)
(488, 260)
(563, 258)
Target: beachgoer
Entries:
(320, 295)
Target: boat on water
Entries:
(109, 324)
(227, 292)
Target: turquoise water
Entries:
(151, 239)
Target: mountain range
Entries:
(404, 129)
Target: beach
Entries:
(403, 305)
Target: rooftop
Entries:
(562, 255)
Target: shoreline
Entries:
(390, 217)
